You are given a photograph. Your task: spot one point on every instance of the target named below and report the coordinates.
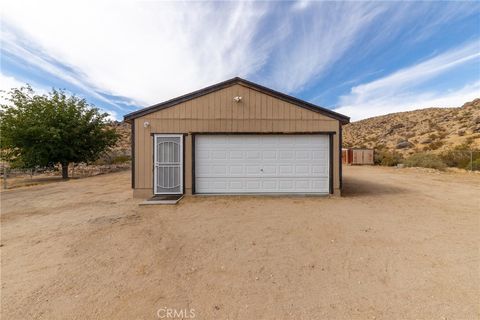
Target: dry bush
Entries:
(425, 160)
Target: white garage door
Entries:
(262, 164)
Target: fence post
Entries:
(5, 178)
(471, 160)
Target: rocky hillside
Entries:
(123, 144)
(432, 129)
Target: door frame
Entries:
(182, 162)
(330, 135)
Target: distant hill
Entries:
(407, 132)
(431, 129)
(123, 144)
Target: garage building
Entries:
(236, 137)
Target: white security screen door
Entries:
(168, 164)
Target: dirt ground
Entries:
(401, 244)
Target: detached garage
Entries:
(236, 137)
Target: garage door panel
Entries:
(218, 155)
(302, 155)
(269, 185)
(285, 170)
(253, 185)
(253, 155)
(286, 155)
(236, 155)
(320, 155)
(287, 185)
(202, 170)
(252, 170)
(269, 155)
(262, 164)
(237, 170)
(219, 170)
(203, 154)
(319, 171)
(266, 185)
(302, 170)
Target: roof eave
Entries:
(301, 103)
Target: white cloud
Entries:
(146, 51)
(301, 4)
(327, 36)
(9, 43)
(412, 101)
(150, 51)
(8, 82)
(398, 91)
(322, 38)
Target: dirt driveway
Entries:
(401, 244)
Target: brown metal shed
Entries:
(236, 137)
(358, 156)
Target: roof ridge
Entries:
(206, 90)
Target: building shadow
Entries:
(356, 187)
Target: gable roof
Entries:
(301, 103)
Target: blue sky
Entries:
(358, 58)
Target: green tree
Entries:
(42, 130)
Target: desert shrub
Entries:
(425, 160)
(432, 136)
(112, 159)
(459, 156)
(474, 165)
(434, 145)
(403, 144)
(442, 135)
(387, 158)
(121, 159)
(471, 140)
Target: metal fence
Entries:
(463, 159)
(18, 177)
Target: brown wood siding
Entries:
(217, 112)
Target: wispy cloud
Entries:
(402, 90)
(324, 37)
(12, 45)
(8, 82)
(149, 51)
(317, 41)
